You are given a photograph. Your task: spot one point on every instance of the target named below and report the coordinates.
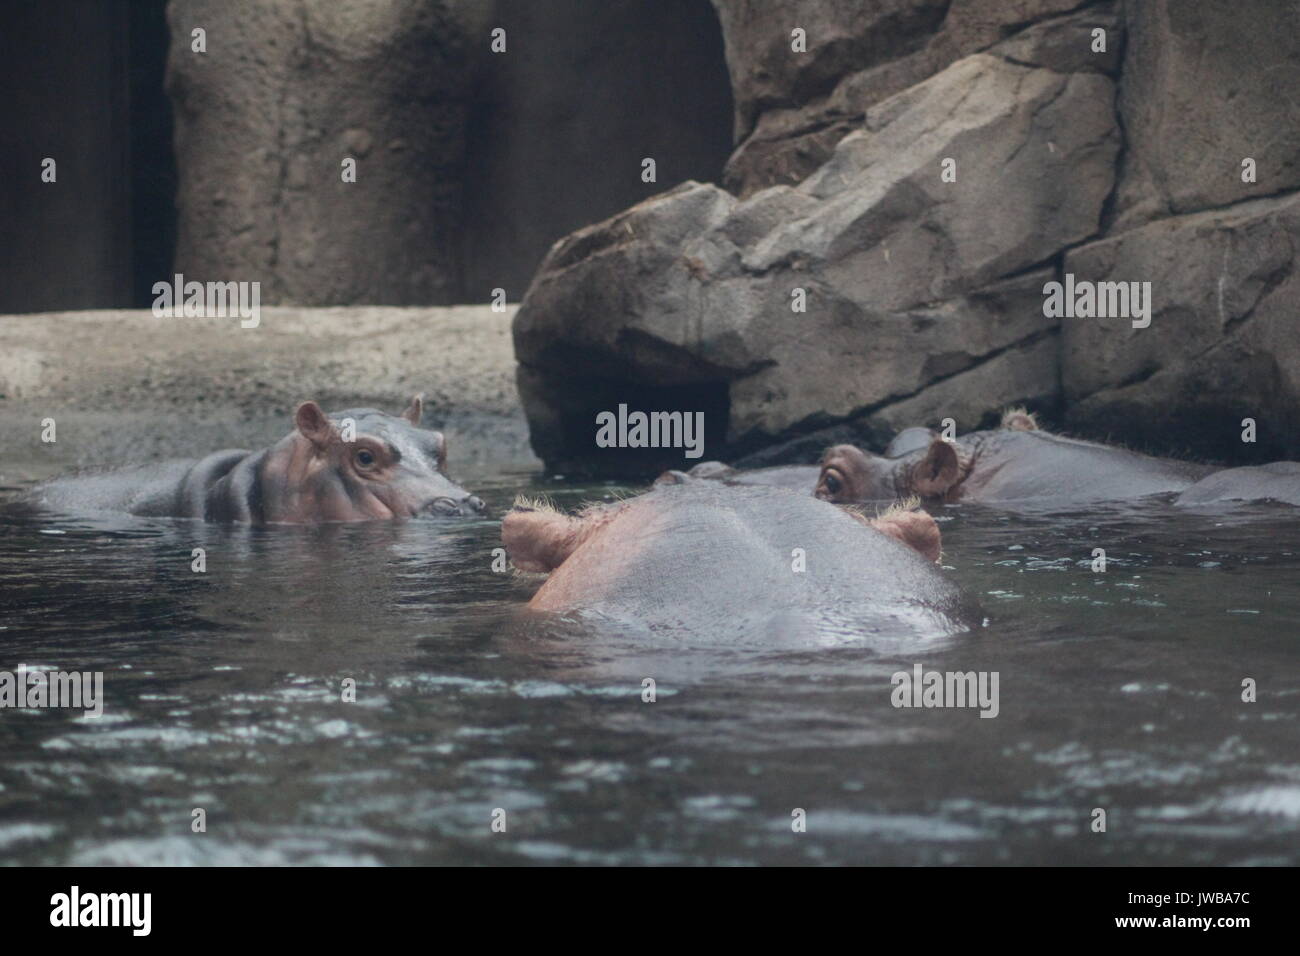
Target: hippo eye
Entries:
(365, 458)
(832, 484)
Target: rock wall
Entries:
(913, 181)
(559, 124)
(285, 92)
(66, 243)
(470, 162)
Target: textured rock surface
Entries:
(1223, 338)
(285, 92)
(1206, 85)
(560, 123)
(903, 273)
(925, 298)
(792, 108)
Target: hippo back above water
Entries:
(702, 561)
(1277, 482)
(355, 465)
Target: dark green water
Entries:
(1119, 690)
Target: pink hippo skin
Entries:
(391, 468)
(706, 562)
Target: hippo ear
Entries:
(539, 539)
(914, 528)
(937, 472)
(415, 411)
(1019, 420)
(442, 451)
(314, 424)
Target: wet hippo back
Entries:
(706, 562)
(801, 478)
(1279, 481)
(1014, 465)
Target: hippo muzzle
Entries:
(445, 507)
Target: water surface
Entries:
(1119, 690)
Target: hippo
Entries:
(1278, 481)
(388, 467)
(1013, 463)
(804, 477)
(908, 441)
(793, 477)
(745, 564)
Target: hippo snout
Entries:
(469, 505)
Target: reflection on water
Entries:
(223, 691)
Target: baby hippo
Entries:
(354, 465)
(705, 562)
(1016, 462)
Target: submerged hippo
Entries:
(804, 477)
(702, 561)
(391, 468)
(1012, 463)
(1279, 481)
(793, 477)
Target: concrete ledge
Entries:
(126, 386)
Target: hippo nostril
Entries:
(475, 505)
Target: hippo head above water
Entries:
(356, 465)
(848, 474)
(359, 464)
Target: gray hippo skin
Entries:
(909, 440)
(703, 562)
(792, 477)
(1003, 465)
(1279, 481)
(801, 478)
(391, 468)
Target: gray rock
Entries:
(1222, 339)
(560, 123)
(285, 92)
(1206, 85)
(792, 108)
(909, 280)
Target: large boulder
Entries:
(910, 280)
(264, 119)
(1207, 85)
(793, 107)
(1222, 342)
